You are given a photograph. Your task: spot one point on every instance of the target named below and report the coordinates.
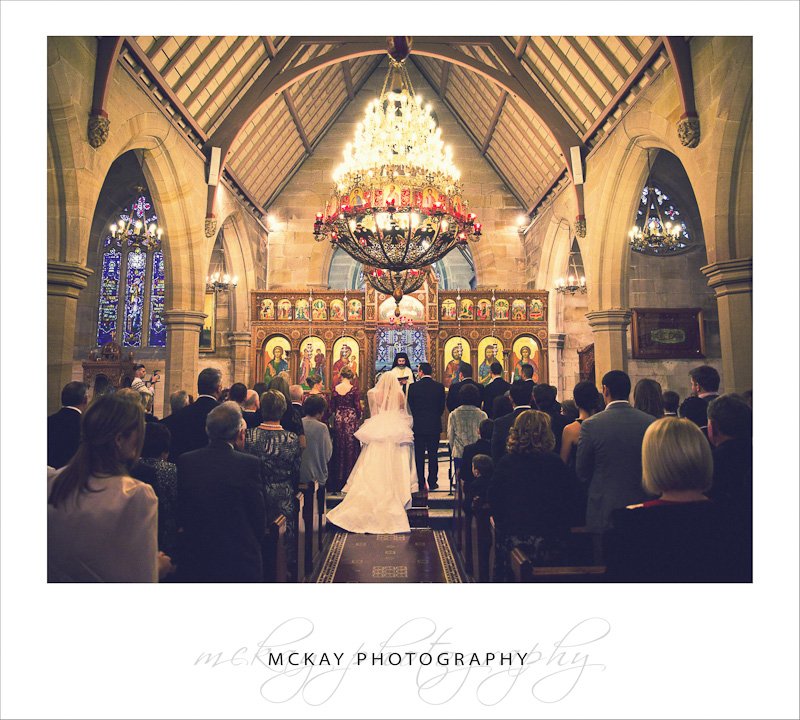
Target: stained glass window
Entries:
(109, 297)
(132, 288)
(134, 299)
(667, 208)
(158, 330)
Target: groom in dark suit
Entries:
(426, 403)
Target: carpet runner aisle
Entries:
(422, 556)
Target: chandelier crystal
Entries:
(396, 283)
(397, 200)
(655, 236)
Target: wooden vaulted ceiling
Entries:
(588, 80)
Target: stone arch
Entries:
(238, 261)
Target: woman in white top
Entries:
(379, 488)
(102, 524)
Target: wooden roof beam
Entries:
(445, 79)
(348, 79)
(287, 98)
(213, 72)
(498, 110)
(108, 48)
(178, 56)
(681, 59)
(197, 63)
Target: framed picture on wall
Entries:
(209, 331)
(667, 333)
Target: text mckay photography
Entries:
(431, 660)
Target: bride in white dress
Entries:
(379, 488)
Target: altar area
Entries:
(321, 332)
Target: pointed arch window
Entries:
(132, 290)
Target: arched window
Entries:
(131, 302)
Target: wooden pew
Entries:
(484, 539)
(458, 517)
(273, 551)
(297, 568)
(524, 571)
(321, 519)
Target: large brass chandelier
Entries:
(397, 200)
(396, 283)
(655, 235)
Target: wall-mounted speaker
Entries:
(213, 165)
(577, 165)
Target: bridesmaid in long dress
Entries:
(346, 413)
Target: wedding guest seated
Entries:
(154, 469)
(647, 398)
(482, 470)
(671, 400)
(319, 448)
(260, 389)
(463, 423)
(314, 385)
(278, 451)
(682, 536)
(292, 420)
(533, 496)
(64, 427)
(251, 411)
(221, 505)
(544, 396)
(483, 446)
(101, 522)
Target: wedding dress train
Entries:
(379, 488)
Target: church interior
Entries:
(589, 210)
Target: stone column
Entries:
(183, 349)
(556, 343)
(732, 281)
(65, 280)
(240, 357)
(610, 330)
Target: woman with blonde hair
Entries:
(682, 536)
(533, 496)
(102, 524)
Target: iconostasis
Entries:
(320, 333)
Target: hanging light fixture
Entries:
(654, 236)
(219, 282)
(136, 228)
(396, 283)
(397, 201)
(575, 281)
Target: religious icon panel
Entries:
(311, 361)
(346, 350)
(337, 310)
(456, 353)
(526, 350)
(284, 309)
(448, 309)
(208, 333)
(518, 308)
(266, 310)
(467, 310)
(484, 309)
(354, 310)
(319, 310)
(301, 311)
(490, 349)
(501, 310)
(276, 357)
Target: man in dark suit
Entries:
(221, 505)
(544, 397)
(521, 400)
(496, 387)
(188, 426)
(452, 393)
(609, 458)
(705, 386)
(64, 427)
(730, 431)
(426, 403)
(526, 371)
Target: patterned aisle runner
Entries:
(421, 556)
